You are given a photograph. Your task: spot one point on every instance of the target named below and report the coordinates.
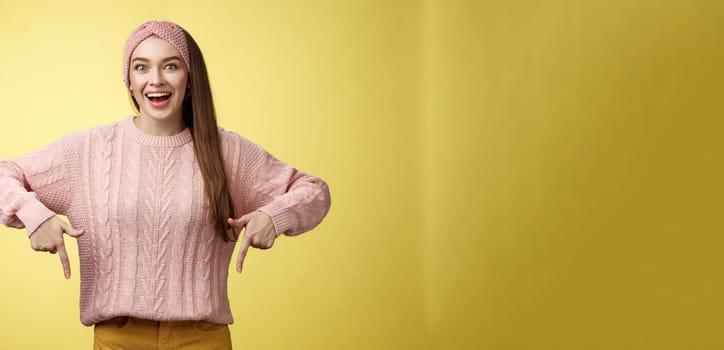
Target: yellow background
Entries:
(505, 174)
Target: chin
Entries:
(162, 115)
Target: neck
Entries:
(155, 127)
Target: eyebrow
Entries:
(143, 59)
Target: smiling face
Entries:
(158, 80)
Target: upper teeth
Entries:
(158, 94)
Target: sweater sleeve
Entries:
(296, 202)
(35, 186)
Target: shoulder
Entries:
(79, 137)
(238, 151)
(107, 130)
(100, 131)
(231, 136)
(232, 141)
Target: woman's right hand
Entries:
(48, 237)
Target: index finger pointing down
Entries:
(64, 261)
(242, 254)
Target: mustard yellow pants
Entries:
(128, 333)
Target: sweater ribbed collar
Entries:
(141, 137)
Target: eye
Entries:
(139, 67)
(171, 66)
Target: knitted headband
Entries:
(168, 31)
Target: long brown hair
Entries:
(200, 117)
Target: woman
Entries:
(156, 203)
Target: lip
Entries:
(159, 104)
(157, 91)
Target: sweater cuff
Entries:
(33, 214)
(282, 217)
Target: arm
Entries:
(278, 199)
(19, 206)
(298, 201)
(24, 179)
(35, 186)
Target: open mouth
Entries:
(158, 99)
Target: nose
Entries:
(156, 77)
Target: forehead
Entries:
(155, 47)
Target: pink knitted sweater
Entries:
(150, 249)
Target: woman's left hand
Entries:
(259, 233)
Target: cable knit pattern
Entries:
(178, 281)
(128, 218)
(150, 249)
(102, 181)
(204, 267)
